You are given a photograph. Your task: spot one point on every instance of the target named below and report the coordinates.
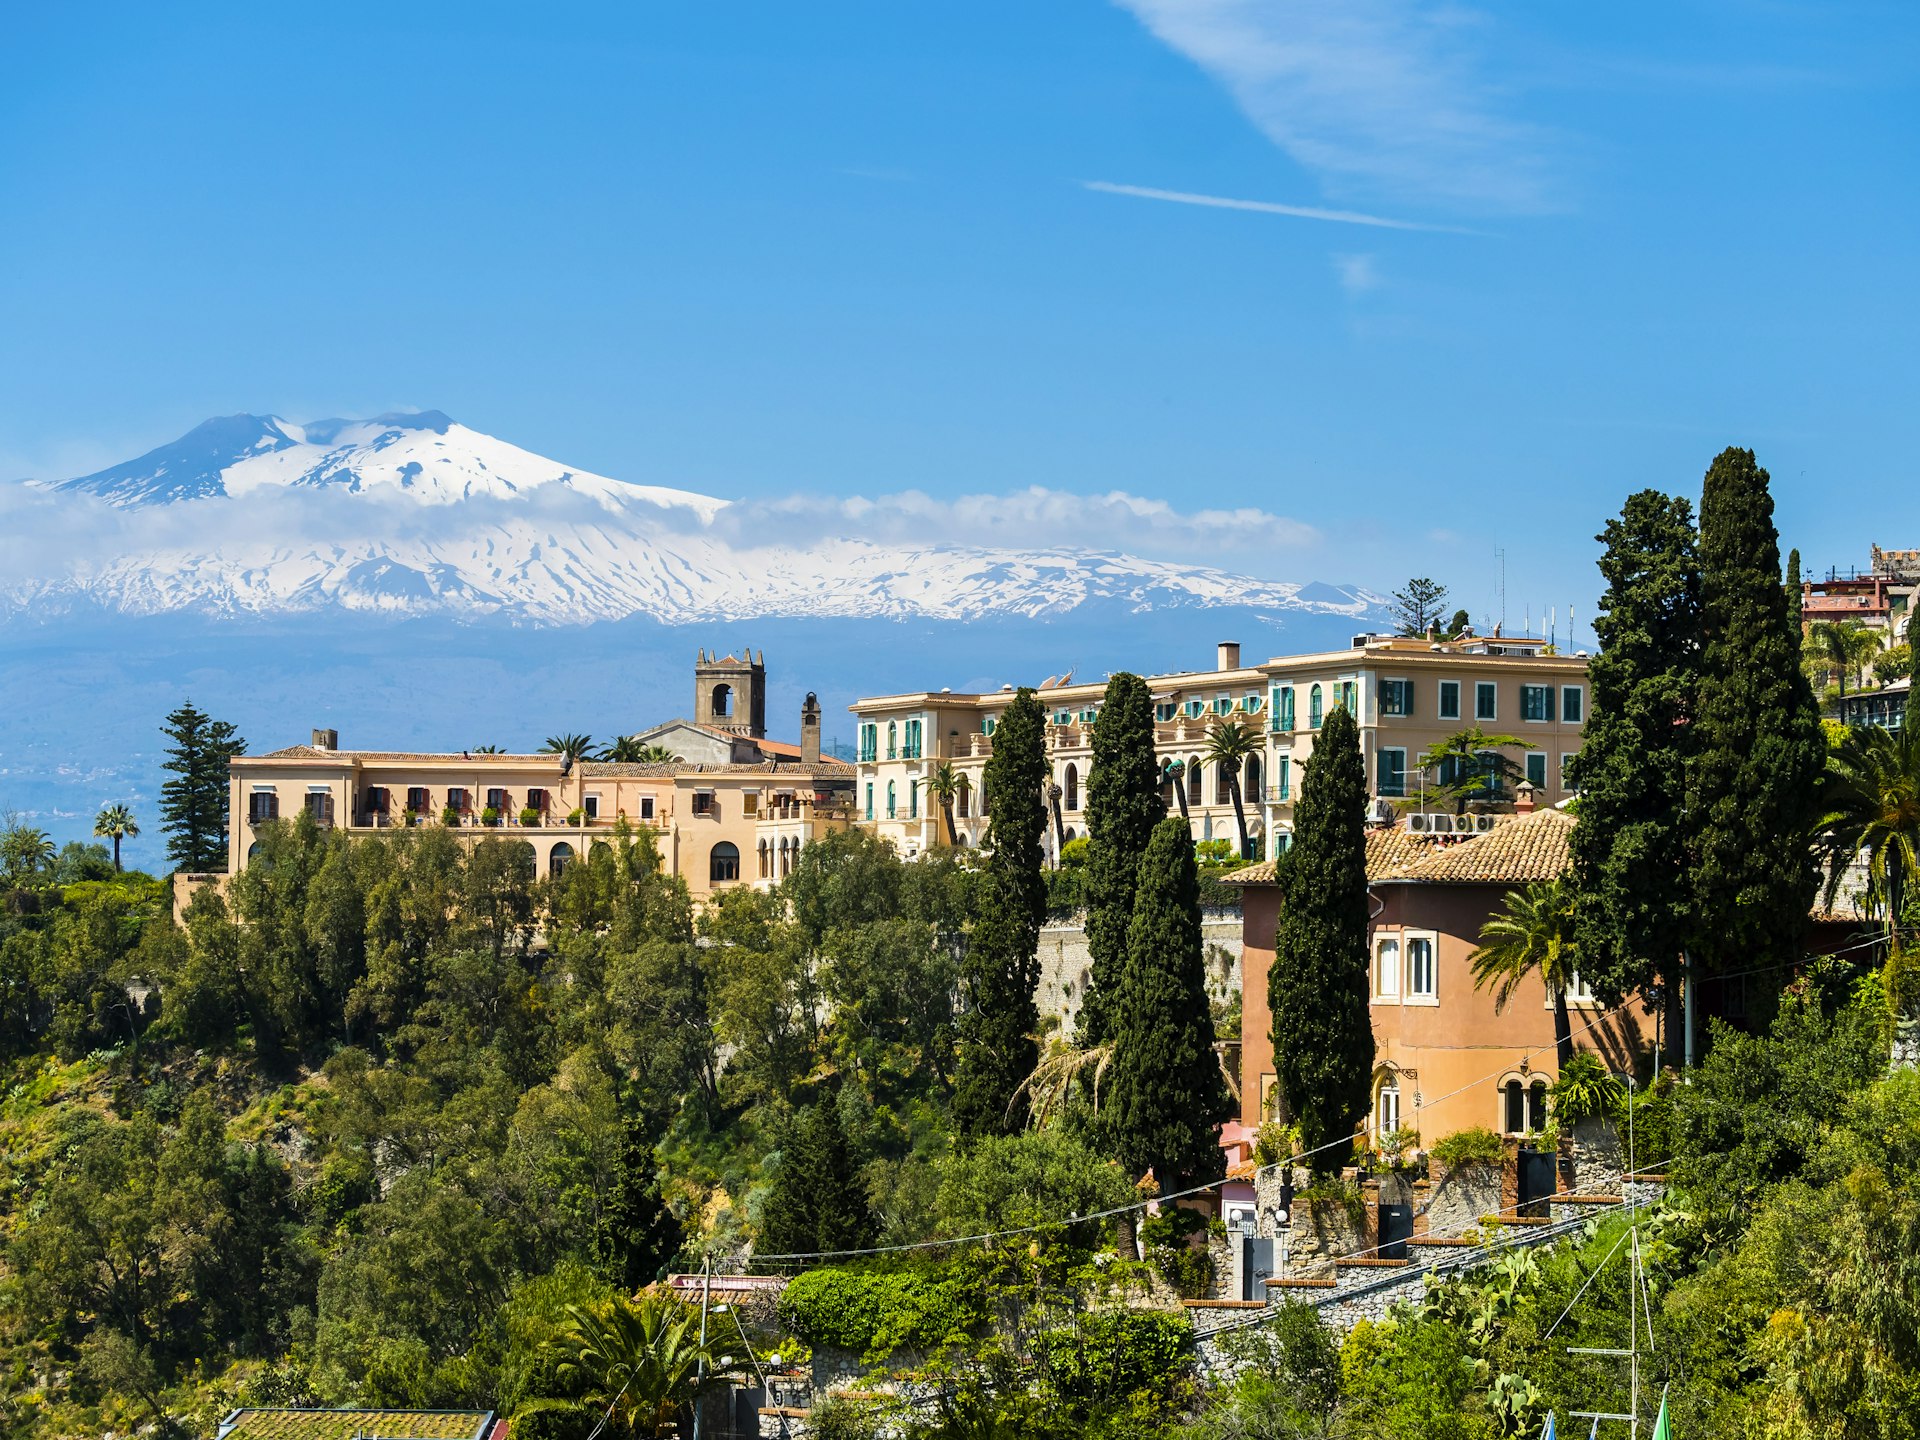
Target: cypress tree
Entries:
(997, 1049)
(816, 1201)
(1317, 988)
(193, 805)
(1123, 806)
(1761, 752)
(1793, 593)
(1629, 847)
(1165, 1095)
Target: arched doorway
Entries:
(723, 863)
(559, 858)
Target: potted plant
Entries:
(576, 815)
(449, 816)
(529, 816)
(416, 817)
(489, 816)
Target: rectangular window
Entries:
(986, 725)
(1252, 704)
(1386, 970)
(913, 799)
(1391, 772)
(646, 807)
(1566, 771)
(262, 806)
(1486, 700)
(1537, 769)
(1286, 710)
(869, 800)
(1573, 704)
(1396, 697)
(591, 806)
(869, 743)
(1061, 717)
(1536, 702)
(417, 799)
(705, 802)
(750, 803)
(1449, 699)
(1196, 708)
(1283, 778)
(320, 806)
(1166, 710)
(1420, 968)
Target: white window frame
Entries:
(1431, 995)
(1383, 1124)
(1396, 681)
(1380, 753)
(1581, 691)
(1547, 691)
(1541, 756)
(1479, 686)
(590, 805)
(1382, 973)
(646, 807)
(1441, 703)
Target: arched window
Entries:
(1070, 782)
(765, 871)
(1537, 1107)
(1315, 705)
(1166, 785)
(893, 803)
(1386, 1106)
(252, 850)
(559, 858)
(1068, 835)
(893, 740)
(1251, 785)
(1513, 1119)
(1196, 778)
(723, 700)
(1222, 784)
(961, 797)
(723, 863)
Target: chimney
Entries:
(1523, 798)
(326, 739)
(810, 730)
(1228, 654)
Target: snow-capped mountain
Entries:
(416, 514)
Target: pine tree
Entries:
(1629, 847)
(193, 805)
(1761, 752)
(816, 1202)
(1317, 988)
(997, 1050)
(1416, 609)
(1123, 806)
(1165, 1095)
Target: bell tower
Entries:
(730, 693)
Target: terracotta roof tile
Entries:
(289, 1424)
(400, 757)
(1515, 852)
(1390, 850)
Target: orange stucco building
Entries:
(1444, 1058)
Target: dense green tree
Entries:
(997, 1049)
(1754, 784)
(1165, 1096)
(815, 1202)
(1317, 988)
(1123, 806)
(1793, 588)
(1630, 844)
(1416, 609)
(1839, 649)
(193, 804)
(1871, 805)
(1468, 765)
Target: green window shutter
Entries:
(1537, 769)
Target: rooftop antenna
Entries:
(1501, 552)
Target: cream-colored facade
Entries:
(1408, 695)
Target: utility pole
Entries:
(700, 1380)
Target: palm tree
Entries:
(1534, 931)
(1227, 750)
(24, 852)
(1054, 792)
(638, 1361)
(1177, 772)
(1471, 766)
(573, 747)
(629, 751)
(1872, 813)
(1841, 647)
(115, 822)
(485, 750)
(943, 785)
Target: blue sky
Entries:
(850, 249)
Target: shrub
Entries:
(1585, 1091)
(1476, 1145)
(576, 815)
(490, 816)
(876, 1311)
(449, 815)
(1168, 1239)
(1274, 1142)
(529, 816)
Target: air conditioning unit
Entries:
(1484, 823)
(1418, 823)
(1440, 824)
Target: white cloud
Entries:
(1266, 207)
(1357, 273)
(1381, 97)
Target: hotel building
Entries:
(1408, 695)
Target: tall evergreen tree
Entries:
(816, 1201)
(997, 1049)
(1317, 988)
(193, 805)
(1629, 847)
(1793, 591)
(1123, 806)
(1165, 1095)
(1754, 791)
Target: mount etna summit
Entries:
(416, 514)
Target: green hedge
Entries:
(877, 1312)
